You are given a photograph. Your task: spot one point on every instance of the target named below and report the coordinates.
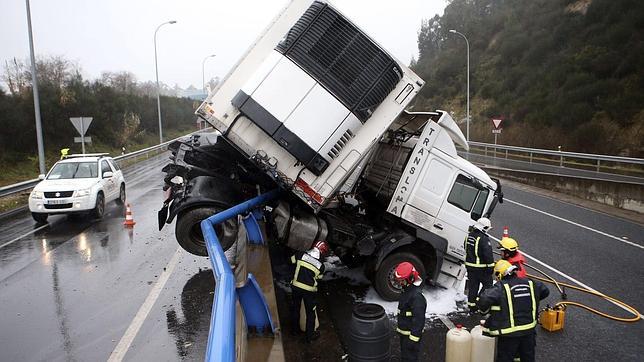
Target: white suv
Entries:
(78, 183)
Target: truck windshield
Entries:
(468, 197)
(70, 170)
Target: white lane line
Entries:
(131, 332)
(22, 236)
(564, 275)
(577, 224)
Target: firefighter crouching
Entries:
(309, 268)
(479, 260)
(510, 252)
(411, 311)
(513, 304)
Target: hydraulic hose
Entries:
(564, 303)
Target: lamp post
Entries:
(467, 132)
(34, 87)
(156, 67)
(203, 71)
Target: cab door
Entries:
(109, 183)
(464, 205)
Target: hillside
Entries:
(559, 72)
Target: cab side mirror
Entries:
(108, 174)
(41, 176)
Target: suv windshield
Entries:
(69, 170)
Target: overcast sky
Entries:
(117, 35)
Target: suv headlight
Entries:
(37, 194)
(83, 192)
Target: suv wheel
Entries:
(40, 218)
(121, 199)
(385, 282)
(99, 209)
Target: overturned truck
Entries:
(317, 108)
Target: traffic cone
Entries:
(506, 232)
(129, 220)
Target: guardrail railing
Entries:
(29, 184)
(221, 337)
(559, 156)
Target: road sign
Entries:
(81, 139)
(81, 124)
(497, 131)
(497, 123)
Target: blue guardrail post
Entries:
(221, 337)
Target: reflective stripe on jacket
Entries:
(513, 306)
(478, 250)
(411, 313)
(308, 270)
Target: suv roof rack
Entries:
(87, 155)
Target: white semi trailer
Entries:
(317, 108)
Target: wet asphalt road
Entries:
(72, 290)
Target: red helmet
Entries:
(322, 247)
(405, 271)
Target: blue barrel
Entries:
(369, 334)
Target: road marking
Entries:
(564, 275)
(22, 236)
(131, 332)
(577, 224)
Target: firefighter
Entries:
(411, 311)
(510, 252)
(479, 260)
(309, 268)
(64, 152)
(513, 304)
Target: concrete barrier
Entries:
(626, 196)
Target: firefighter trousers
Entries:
(509, 347)
(477, 277)
(310, 305)
(409, 350)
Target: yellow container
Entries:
(552, 319)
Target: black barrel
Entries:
(369, 334)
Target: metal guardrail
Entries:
(221, 337)
(561, 154)
(29, 184)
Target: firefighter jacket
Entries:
(518, 260)
(513, 304)
(478, 250)
(411, 313)
(308, 270)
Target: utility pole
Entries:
(34, 87)
(156, 67)
(467, 133)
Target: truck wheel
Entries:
(40, 218)
(188, 230)
(385, 283)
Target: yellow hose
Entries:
(580, 305)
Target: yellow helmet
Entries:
(503, 268)
(508, 244)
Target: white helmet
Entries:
(483, 224)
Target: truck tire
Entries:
(188, 230)
(384, 281)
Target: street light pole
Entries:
(156, 67)
(467, 133)
(34, 87)
(203, 71)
